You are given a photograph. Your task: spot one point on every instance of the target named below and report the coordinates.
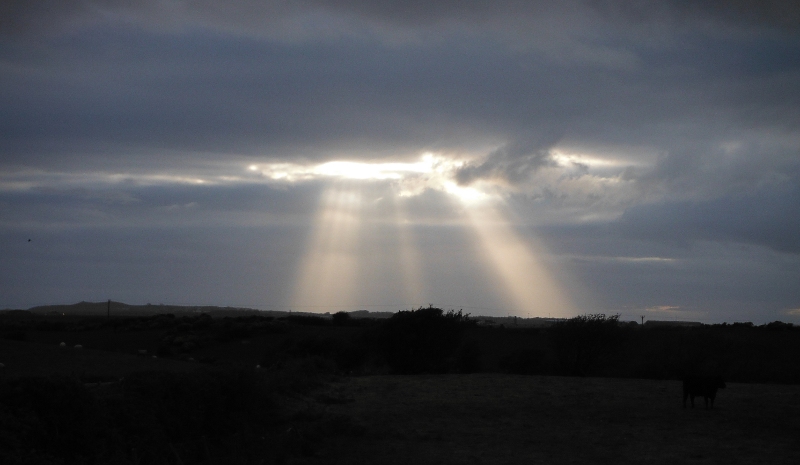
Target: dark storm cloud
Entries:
(766, 219)
(19, 13)
(205, 92)
(745, 10)
(627, 270)
(97, 206)
(512, 163)
(225, 93)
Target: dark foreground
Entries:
(213, 417)
(253, 390)
(495, 419)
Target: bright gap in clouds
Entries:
(335, 272)
(290, 172)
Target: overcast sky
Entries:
(504, 157)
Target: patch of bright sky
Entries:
(24, 180)
(674, 311)
(429, 172)
(292, 172)
(589, 160)
(435, 167)
(330, 273)
(589, 182)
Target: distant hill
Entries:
(368, 314)
(123, 309)
(672, 323)
(513, 321)
(16, 314)
(80, 308)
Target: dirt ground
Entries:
(499, 419)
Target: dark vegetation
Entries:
(421, 341)
(244, 395)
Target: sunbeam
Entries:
(329, 271)
(361, 254)
(531, 289)
(408, 256)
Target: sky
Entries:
(504, 157)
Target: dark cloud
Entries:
(764, 219)
(207, 93)
(513, 163)
(252, 15)
(632, 265)
(781, 12)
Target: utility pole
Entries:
(642, 320)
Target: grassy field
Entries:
(497, 419)
(323, 412)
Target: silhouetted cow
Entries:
(706, 386)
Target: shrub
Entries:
(333, 354)
(341, 318)
(418, 341)
(779, 326)
(581, 341)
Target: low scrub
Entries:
(422, 340)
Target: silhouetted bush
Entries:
(582, 341)
(341, 318)
(422, 340)
(342, 354)
(780, 326)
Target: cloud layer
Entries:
(613, 131)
